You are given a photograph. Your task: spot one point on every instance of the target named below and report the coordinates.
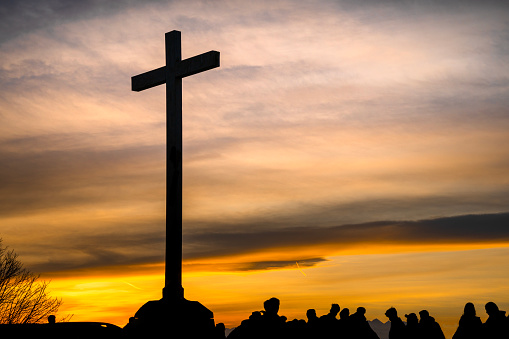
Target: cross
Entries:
(172, 75)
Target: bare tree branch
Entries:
(23, 299)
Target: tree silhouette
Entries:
(23, 299)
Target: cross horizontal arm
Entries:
(197, 64)
(184, 68)
(148, 79)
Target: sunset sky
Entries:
(342, 153)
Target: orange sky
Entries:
(342, 153)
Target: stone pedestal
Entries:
(177, 318)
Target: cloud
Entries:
(106, 249)
(460, 229)
(236, 265)
(32, 180)
(269, 265)
(142, 243)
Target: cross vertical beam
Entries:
(173, 257)
(172, 74)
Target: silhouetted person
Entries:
(333, 313)
(470, 325)
(428, 327)
(345, 324)
(344, 314)
(264, 324)
(131, 329)
(220, 331)
(360, 325)
(412, 326)
(240, 331)
(272, 322)
(397, 330)
(496, 325)
(296, 329)
(256, 326)
(249, 328)
(271, 307)
(313, 321)
(311, 316)
(329, 322)
(51, 319)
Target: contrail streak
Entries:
(301, 271)
(125, 282)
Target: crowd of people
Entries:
(339, 323)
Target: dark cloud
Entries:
(269, 265)
(143, 242)
(250, 238)
(451, 6)
(136, 242)
(322, 215)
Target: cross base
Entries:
(185, 318)
(173, 294)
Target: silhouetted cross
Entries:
(172, 75)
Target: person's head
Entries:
(361, 310)
(411, 318)
(51, 319)
(271, 306)
(256, 315)
(221, 327)
(424, 314)
(491, 308)
(334, 309)
(311, 314)
(469, 310)
(345, 313)
(391, 313)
